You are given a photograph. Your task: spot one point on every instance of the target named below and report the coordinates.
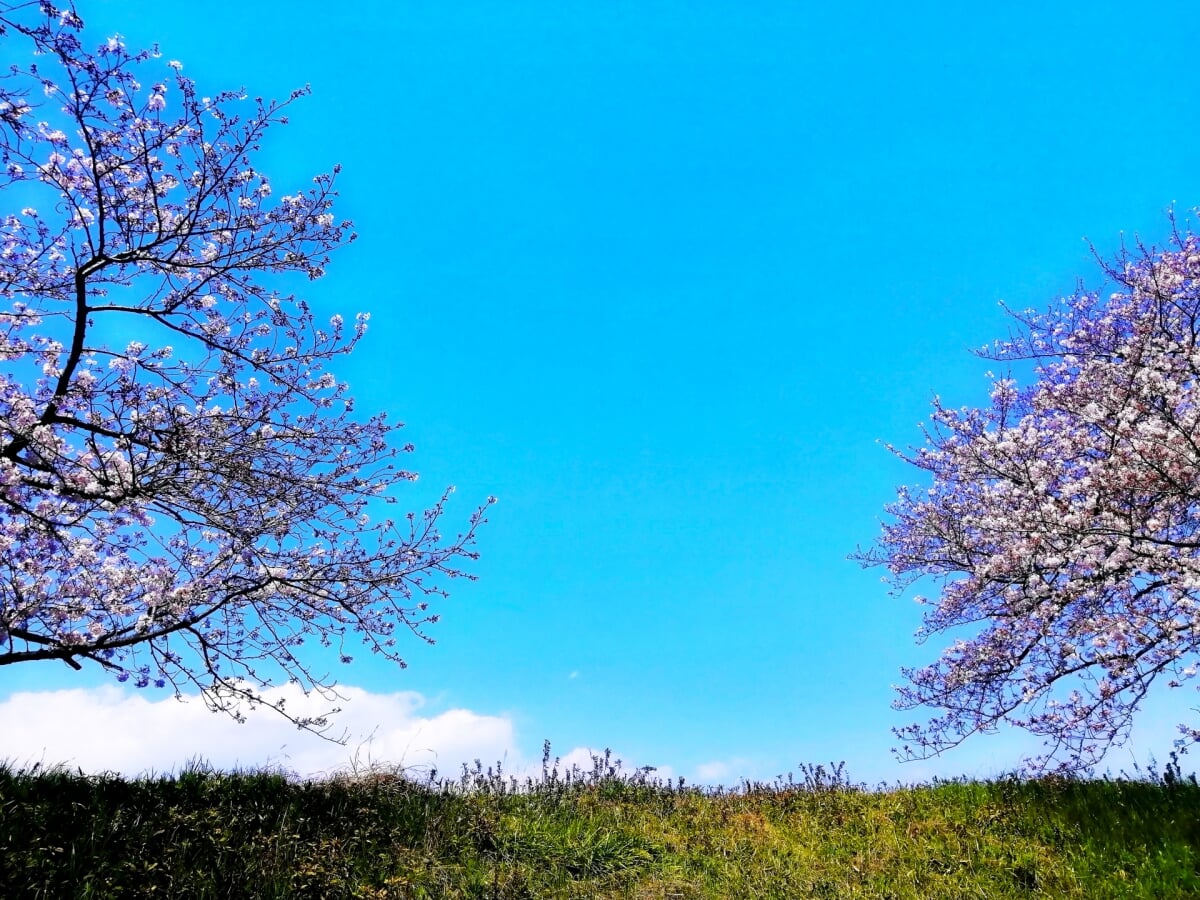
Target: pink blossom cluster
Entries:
(1062, 524)
(184, 490)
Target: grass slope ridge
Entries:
(597, 834)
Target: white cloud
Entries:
(714, 771)
(108, 728)
(583, 759)
(114, 729)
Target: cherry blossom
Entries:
(1061, 523)
(185, 493)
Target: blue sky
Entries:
(661, 276)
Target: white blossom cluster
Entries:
(188, 507)
(1062, 524)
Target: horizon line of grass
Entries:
(602, 833)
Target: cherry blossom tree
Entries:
(1062, 522)
(184, 488)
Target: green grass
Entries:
(597, 834)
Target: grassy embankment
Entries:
(601, 834)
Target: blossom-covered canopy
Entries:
(184, 489)
(1062, 523)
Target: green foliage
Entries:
(600, 834)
